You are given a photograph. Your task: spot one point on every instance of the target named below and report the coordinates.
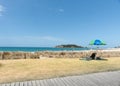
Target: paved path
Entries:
(96, 79)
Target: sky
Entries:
(47, 23)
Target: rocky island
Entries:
(68, 46)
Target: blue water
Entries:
(34, 49)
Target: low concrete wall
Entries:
(64, 54)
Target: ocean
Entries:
(35, 49)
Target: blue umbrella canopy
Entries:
(97, 42)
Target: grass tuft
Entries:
(0, 65)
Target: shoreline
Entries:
(108, 49)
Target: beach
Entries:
(24, 66)
(106, 53)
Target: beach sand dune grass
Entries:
(30, 69)
(0, 64)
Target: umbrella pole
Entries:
(97, 51)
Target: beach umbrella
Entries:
(97, 42)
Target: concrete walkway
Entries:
(96, 79)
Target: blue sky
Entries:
(52, 22)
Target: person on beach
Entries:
(93, 56)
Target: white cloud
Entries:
(50, 38)
(37, 38)
(61, 10)
(1, 10)
(31, 41)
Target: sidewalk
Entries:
(96, 79)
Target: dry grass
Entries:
(20, 70)
(0, 64)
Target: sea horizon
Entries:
(35, 49)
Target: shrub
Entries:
(6, 53)
(0, 64)
(62, 53)
(34, 56)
